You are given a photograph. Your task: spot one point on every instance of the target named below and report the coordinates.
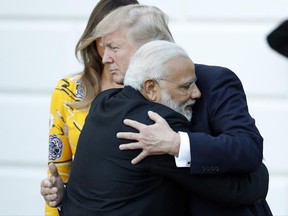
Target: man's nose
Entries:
(195, 94)
(106, 59)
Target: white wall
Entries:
(37, 40)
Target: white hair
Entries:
(149, 62)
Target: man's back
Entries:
(103, 181)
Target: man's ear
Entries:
(151, 89)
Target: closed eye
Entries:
(186, 87)
(113, 48)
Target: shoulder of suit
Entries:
(211, 71)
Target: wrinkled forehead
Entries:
(181, 66)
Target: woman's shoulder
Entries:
(70, 80)
(70, 86)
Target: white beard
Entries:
(178, 107)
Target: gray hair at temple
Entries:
(144, 23)
(149, 62)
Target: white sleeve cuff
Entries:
(184, 158)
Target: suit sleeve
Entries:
(230, 141)
(230, 190)
(225, 189)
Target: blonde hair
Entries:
(144, 23)
(93, 67)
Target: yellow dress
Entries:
(65, 126)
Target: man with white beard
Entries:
(102, 179)
(120, 40)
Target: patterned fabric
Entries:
(65, 125)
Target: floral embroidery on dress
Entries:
(55, 147)
(79, 90)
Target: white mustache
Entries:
(189, 103)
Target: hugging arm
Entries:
(223, 133)
(230, 190)
(155, 139)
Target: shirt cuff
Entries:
(184, 157)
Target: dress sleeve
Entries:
(59, 147)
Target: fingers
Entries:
(49, 194)
(134, 124)
(127, 135)
(51, 188)
(154, 116)
(53, 173)
(46, 188)
(52, 203)
(53, 170)
(130, 135)
(51, 200)
(139, 158)
(130, 146)
(137, 125)
(51, 197)
(46, 183)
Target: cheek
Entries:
(126, 65)
(177, 98)
(123, 60)
(100, 48)
(172, 92)
(100, 51)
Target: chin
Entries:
(118, 80)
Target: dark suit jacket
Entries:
(224, 137)
(104, 182)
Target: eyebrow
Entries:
(110, 43)
(190, 82)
